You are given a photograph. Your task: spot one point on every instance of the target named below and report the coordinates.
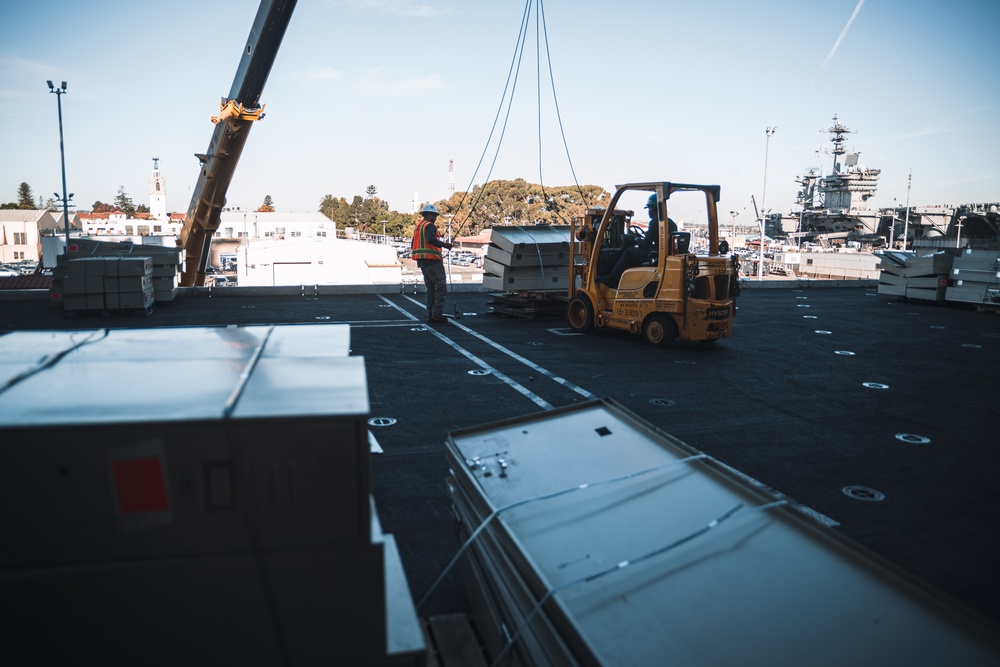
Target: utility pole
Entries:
(892, 227)
(62, 153)
(763, 210)
(906, 224)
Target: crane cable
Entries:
(511, 85)
(515, 66)
(555, 101)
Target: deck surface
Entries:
(784, 402)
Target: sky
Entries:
(387, 92)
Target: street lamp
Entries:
(906, 225)
(763, 200)
(892, 227)
(60, 91)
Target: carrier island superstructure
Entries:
(834, 210)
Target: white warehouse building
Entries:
(302, 249)
(275, 226)
(310, 261)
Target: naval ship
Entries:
(834, 211)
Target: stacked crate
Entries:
(925, 278)
(592, 539)
(108, 284)
(975, 278)
(203, 494)
(528, 259)
(166, 265)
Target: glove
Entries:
(446, 245)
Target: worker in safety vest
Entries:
(427, 251)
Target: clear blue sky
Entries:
(386, 92)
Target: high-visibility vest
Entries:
(421, 248)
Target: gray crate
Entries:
(602, 541)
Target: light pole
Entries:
(763, 209)
(62, 154)
(892, 227)
(246, 246)
(906, 225)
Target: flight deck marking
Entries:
(816, 516)
(401, 310)
(863, 493)
(513, 355)
(521, 389)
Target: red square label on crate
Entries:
(140, 485)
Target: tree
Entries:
(267, 206)
(371, 212)
(101, 207)
(334, 208)
(518, 202)
(124, 203)
(24, 197)
(400, 225)
(364, 214)
(11, 205)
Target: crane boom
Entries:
(237, 113)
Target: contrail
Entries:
(843, 33)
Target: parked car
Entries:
(27, 266)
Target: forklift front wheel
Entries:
(580, 313)
(660, 330)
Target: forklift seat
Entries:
(680, 242)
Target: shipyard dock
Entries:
(874, 416)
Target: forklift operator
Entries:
(635, 252)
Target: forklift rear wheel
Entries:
(580, 313)
(660, 330)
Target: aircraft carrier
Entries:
(874, 416)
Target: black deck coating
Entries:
(776, 402)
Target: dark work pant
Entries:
(437, 286)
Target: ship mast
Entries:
(838, 131)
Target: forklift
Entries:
(651, 281)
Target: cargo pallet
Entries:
(527, 305)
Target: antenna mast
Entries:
(838, 131)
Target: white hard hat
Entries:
(429, 208)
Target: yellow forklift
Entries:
(652, 280)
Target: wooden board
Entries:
(452, 642)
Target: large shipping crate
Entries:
(592, 538)
(191, 496)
